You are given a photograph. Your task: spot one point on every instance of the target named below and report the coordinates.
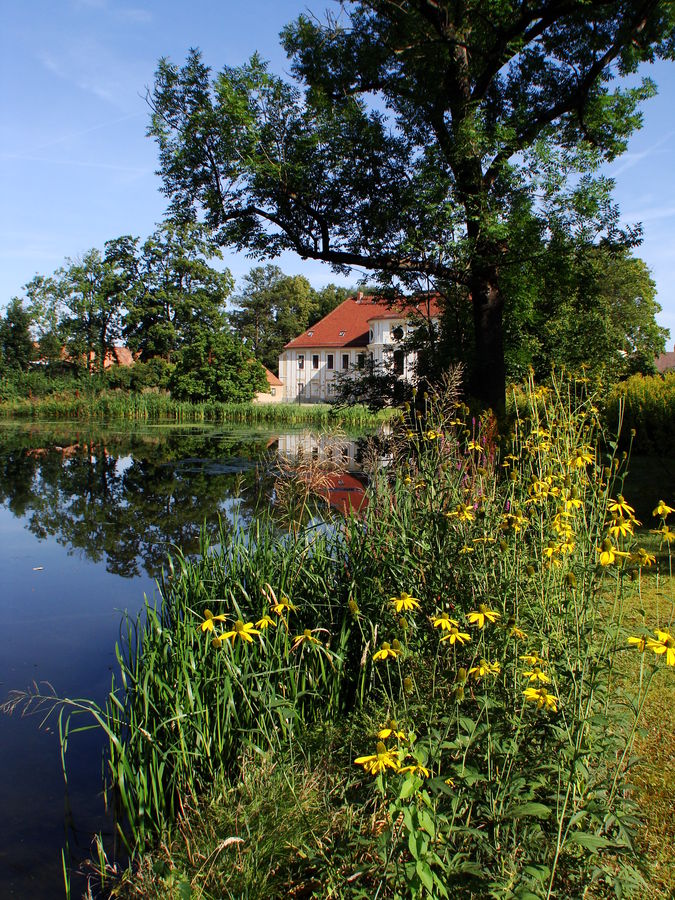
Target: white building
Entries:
(359, 330)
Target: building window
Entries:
(361, 360)
(399, 360)
(273, 392)
(315, 361)
(301, 361)
(397, 333)
(301, 388)
(329, 361)
(370, 335)
(345, 360)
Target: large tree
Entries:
(426, 131)
(179, 296)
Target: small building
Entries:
(359, 331)
(274, 392)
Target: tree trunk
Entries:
(488, 379)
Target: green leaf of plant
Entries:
(537, 810)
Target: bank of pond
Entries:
(433, 693)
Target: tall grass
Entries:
(160, 407)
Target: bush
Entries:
(646, 404)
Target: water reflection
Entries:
(87, 516)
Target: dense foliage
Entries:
(452, 660)
(431, 143)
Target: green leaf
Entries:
(537, 810)
(425, 876)
(590, 841)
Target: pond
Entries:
(87, 518)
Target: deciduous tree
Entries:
(423, 129)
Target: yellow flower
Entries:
(609, 553)
(265, 622)
(209, 619)
(663, 509)
(282, 606)
(664, 643)
(391, 730)
(619, 507)
(454, 635)
(241, 630)
(444, 622)
(379, 761)
(514, 630)
(466, 549)
(666, 534)
(387, 650)
(417, 769)
(430, 435)
(642, 558)
(485, 668)
(404, 601)
(464, 512)
(537, 675)
(582, 457)
(478, 617)
(639, 643)
(621, 527)
(531, 659)
(542, 698)
(474, 445)
(305, 638)
(353, 607)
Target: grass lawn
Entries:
(652, 602)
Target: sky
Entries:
(77, 169)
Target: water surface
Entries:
(87, 518)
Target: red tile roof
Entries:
(272, 379)
(665, 362)
(347, 325)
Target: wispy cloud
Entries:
(77, 163)
(649, 214)
(630, 159)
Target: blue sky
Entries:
(77, 169)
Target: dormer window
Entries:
(342, 334)
(310, 334)
(397, 333)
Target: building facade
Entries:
(359, 331)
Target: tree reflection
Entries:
(127, 499)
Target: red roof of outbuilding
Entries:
(272, 379)
(347, 325)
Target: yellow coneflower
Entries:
(282, 606)
(484, 668)
(640, 643)
(454, 636)
(416, 769)
(481, 615)
(542, 698)
(664, 643)
(536, 674)
(404, 601)
(379, 761)
(210, 619)
(387, 650)
(642, 558)
(444, 622)
(391, 730)
(620, 507)
(662, 509)
(621, 527)
(305, 638)
(265, 622)
(245, 631)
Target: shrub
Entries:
(646, 404)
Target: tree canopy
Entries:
(423, 134)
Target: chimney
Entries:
(359, 296)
